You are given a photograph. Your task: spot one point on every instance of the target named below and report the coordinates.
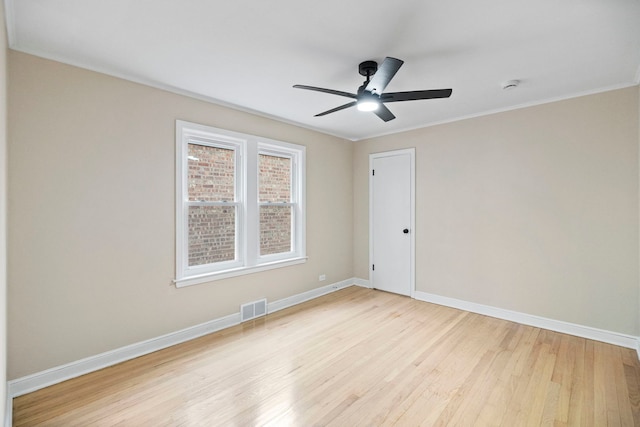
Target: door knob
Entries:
(405, 231)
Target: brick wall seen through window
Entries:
(212, 229)
(275, 218)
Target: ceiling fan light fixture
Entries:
(368, 105)
(368, 102)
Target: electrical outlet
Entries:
(322, 277)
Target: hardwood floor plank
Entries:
(578, 384)
(599, 385)
(633, 384)
(562, 374)
(357, 357)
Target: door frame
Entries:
(412, 226)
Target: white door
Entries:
(391, 222)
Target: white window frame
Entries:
(247, 148)
(297, 222)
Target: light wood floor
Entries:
(357, 357)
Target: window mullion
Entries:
(251, 219)
(240, 202)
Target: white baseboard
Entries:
(272, 307)
(615, 338)
(39, 380)
(364, 283)
(58, 374)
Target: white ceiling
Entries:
(249, 53)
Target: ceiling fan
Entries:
(371, 96)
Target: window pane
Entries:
(212, 234)
(275, 178)
(275, 229)
(211, 174)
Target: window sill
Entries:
(225, 274)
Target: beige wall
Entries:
(533, 210)
(91, 240)
(3, 214)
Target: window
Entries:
(239, 204)
(212, 204)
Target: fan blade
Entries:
(415, 95)
(383, 76)
(333, 110)
(384, 113)
(331, 91)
